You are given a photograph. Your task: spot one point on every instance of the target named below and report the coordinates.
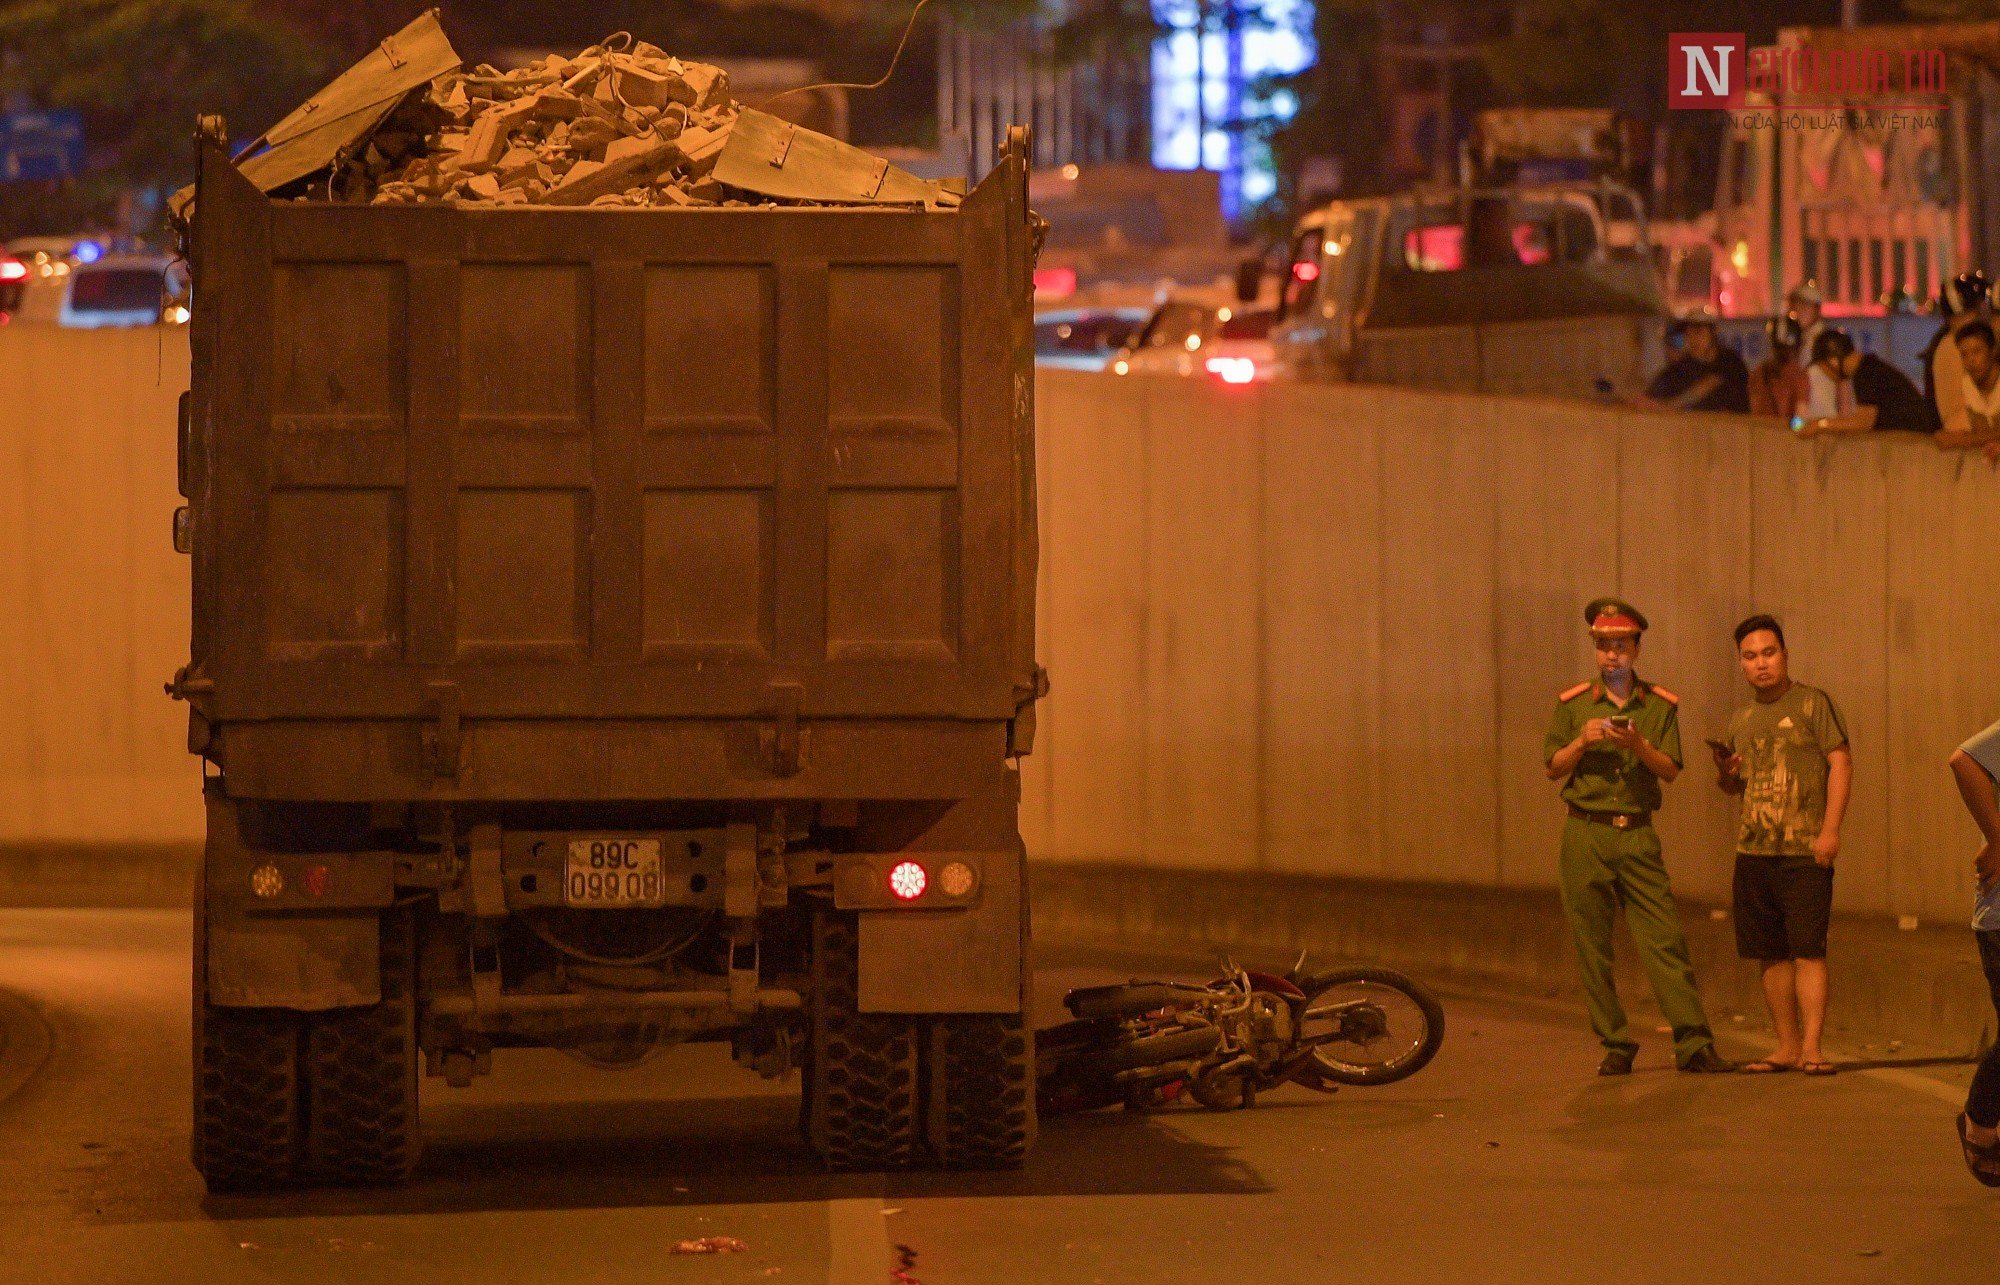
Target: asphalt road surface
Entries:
(1505, 1161)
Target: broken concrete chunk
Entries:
(591, 134)
(702, 147)
(483, 187)
(618, 149)
(642, 87)
(710, 85)
(583, 185)
(485, 144)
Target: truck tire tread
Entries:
(361, 1063)
(863, 1066)
(249, 1098)
(982, 1105)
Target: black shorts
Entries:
(1782, 907)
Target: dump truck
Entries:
(610, 627)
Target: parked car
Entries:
(13, 281)
(1084, 338)
(126, 290)
(1186, 337)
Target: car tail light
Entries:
(1232, 370)
(1055, 283)
(267, 881)
(907, 880)
(316, 881)
(1307, 271)
(13, 270)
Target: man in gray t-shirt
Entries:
(1786, 754)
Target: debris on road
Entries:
(710, 1245)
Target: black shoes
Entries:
(1707, 1061)
(1616, 1062)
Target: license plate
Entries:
(610, 873)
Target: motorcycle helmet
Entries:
(1966, 291)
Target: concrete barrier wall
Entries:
(1320, 630)
(1300, 629)
(93, 598)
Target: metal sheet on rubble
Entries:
(312, 151)
(777, 158)
(354, 104)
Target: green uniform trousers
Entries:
(1604, 868)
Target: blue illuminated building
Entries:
(1208, 101)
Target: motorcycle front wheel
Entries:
(1372, 1025)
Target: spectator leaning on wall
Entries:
(1877, 385)
(1976, 422)
(1965, 299)
(1786, 754)
(1831, 406)
(1778, 385)
(1802, 305)
(1706, 376)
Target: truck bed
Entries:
(608, 503)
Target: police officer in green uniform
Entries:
(1612, 742)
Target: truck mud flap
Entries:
(308, 963)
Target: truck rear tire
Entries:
(981, 1113)
(247, 1130)
(362, 1072)
(861, 1068)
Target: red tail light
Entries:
(13, 270)
(907, 880)
(1232, 370)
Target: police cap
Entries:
(1614, 618)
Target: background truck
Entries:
(1879, 200)
(1545, 288)
(610, 627)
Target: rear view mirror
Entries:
(1249, 280)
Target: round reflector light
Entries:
(267, 881)
(908, 880)
(955, 880)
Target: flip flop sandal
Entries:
(1765, 1066)
(1983, 1162)
(1819, 1068)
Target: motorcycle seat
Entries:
(1132, 998)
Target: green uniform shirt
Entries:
(1784, 745)
(1609, 778)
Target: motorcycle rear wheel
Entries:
(1392, 1025)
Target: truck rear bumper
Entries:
(590, 759)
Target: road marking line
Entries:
(1921, 1083)
(857, 1241)
(1887, 1074)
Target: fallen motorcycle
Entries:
(1144, 1043)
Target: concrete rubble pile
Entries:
(613, 126)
